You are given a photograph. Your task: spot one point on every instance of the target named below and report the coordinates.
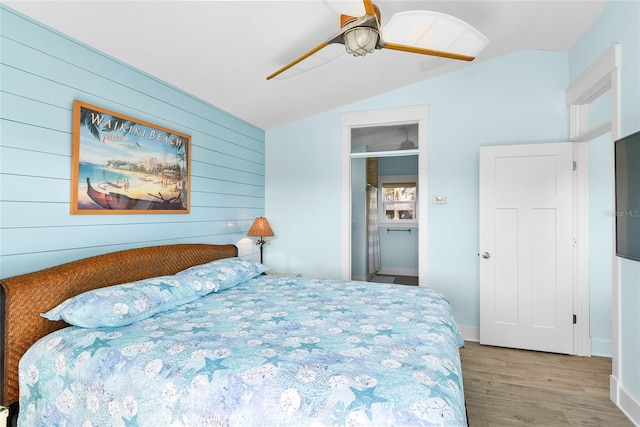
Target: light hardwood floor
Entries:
(507, 387)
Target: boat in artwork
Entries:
(118, 201)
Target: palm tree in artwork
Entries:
(86, 119)
(181, 156)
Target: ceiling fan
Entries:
(407, 144)
(447, 36)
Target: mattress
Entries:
(271, 351)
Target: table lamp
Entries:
(260, 228)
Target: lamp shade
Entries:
(260, 228)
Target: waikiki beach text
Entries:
(129, 128)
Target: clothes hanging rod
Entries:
(408, 230)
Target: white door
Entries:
(526, 246)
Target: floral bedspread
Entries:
(272, 351)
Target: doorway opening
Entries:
(384, 205)
(391, 142)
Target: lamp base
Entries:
(261, 245)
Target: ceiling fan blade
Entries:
(368, 7)
(425, 29)
(317, 60)
(336, 38)
(423, 51)
(299, 59)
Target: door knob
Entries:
(486, 255)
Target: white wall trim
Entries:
(598, 79)
(593, 133)
(581, 298)
(602, 76)
(385, 117)
(629, 406)
(627, 403)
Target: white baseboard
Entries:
(630, 407)
(613, 389)
(623, 400)
(470, 333)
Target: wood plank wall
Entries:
(42, 72)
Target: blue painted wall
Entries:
(42, 73)
(519, 98)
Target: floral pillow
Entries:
(223, 274)
(127, 303)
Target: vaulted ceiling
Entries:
(222, 51)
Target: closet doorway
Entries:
(384, 204)
(394, 118)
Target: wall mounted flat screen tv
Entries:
(627, 188)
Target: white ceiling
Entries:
(221, 51)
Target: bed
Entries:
(230, 346)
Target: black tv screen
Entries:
(627, 187)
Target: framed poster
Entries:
(123, 165)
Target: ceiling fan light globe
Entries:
(361, 40)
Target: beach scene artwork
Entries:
(125, 165)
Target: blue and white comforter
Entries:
(272, 351)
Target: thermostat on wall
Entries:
(440, 200)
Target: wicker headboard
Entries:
(28, 295)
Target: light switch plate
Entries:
(440, 200)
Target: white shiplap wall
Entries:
(42, 72)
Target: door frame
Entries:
(386, 117)
(603, 75)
